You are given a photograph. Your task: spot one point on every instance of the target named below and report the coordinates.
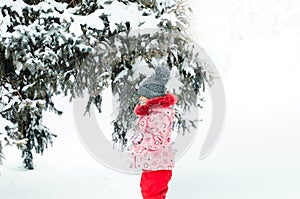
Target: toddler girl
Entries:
(152, 150)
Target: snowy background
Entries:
(255, 46)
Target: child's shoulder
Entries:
(163, 110)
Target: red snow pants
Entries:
(154, 184)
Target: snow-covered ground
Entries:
(256, 48)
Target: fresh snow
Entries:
(256, 48)
(256, 157)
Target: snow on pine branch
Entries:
(116, 12)
(54, 25)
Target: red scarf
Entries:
(163, 101)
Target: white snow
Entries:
(28, 86)
(258, 153)
(18, 5)
(3, 123)
(140, 67)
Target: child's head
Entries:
(155, 85)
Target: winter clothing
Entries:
(154, 184)
(155, 85)
(153, 150)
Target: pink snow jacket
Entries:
(153, 150)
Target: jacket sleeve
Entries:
(157, 133)
(134, 134)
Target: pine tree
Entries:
(38, 57)
(50, 48)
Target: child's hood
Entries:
(164, 102)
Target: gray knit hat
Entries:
(155, 85)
